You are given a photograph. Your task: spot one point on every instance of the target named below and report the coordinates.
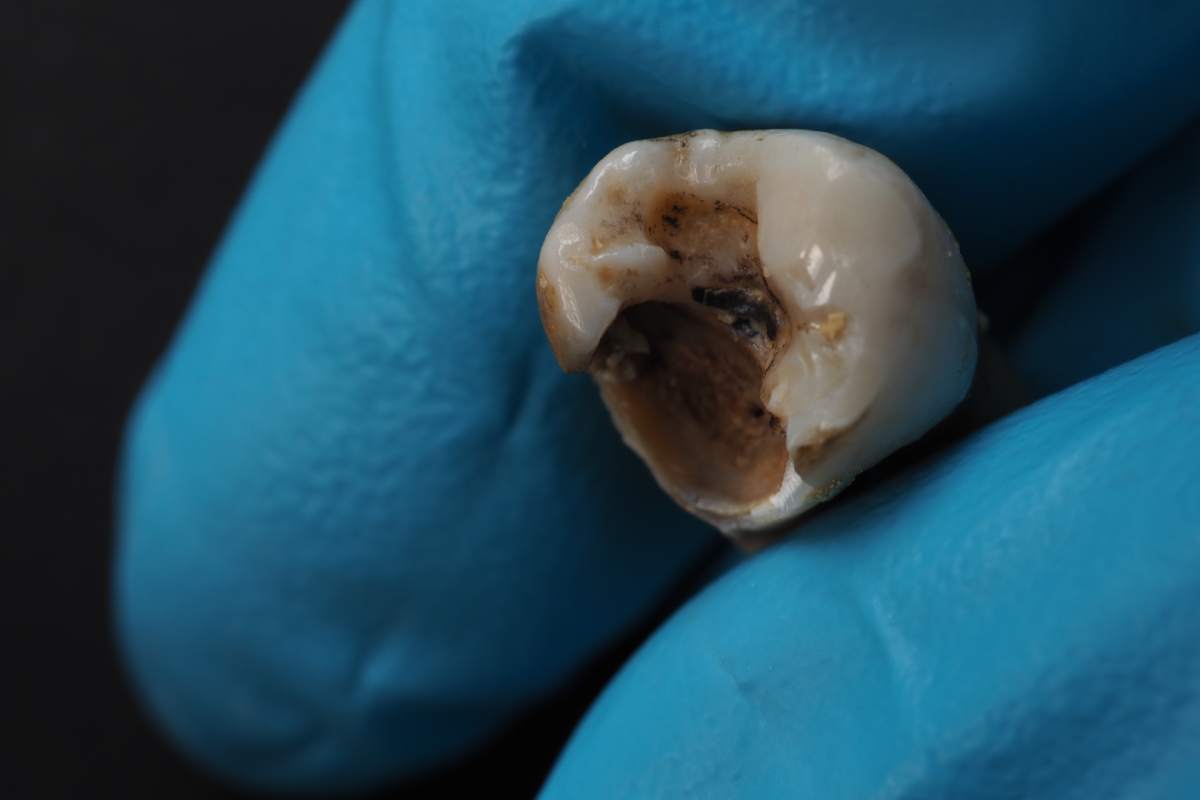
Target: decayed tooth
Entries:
(767, 314)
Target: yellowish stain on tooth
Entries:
(832, 326)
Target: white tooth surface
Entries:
(883, 322)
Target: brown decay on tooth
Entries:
(688, 376)
(547, 306)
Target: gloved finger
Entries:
(1015, 619)
(1128, 274)
(364, 519)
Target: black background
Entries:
(129, 132)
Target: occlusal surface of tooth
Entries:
(766, 313)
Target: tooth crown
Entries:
(811, 261)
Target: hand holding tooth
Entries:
(366, 525)
(767, 314)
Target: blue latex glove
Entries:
(365, 520)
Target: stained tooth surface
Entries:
(767, 314)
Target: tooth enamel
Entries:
(767, 313)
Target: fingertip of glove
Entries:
(214, 669)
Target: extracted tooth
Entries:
(767, 314)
